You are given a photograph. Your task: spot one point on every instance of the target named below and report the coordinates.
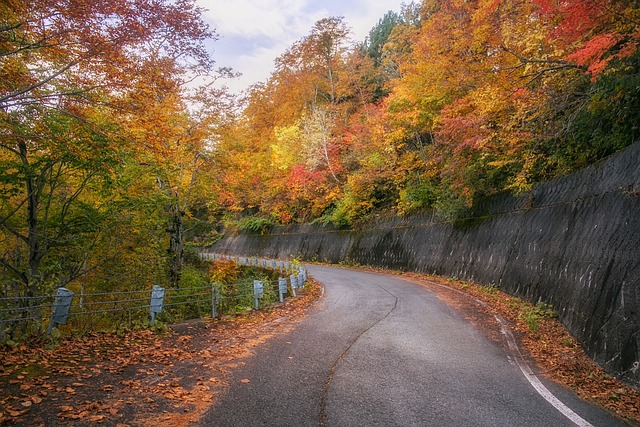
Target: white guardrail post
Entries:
(61, 307)
(157, 300)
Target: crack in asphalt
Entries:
(323, 401)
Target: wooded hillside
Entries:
(117, 149)
(444, 103)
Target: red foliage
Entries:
(595, 31)
(300, 177)
(593, 53)
(575, 17)
(462, 126)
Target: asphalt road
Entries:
(380, 351)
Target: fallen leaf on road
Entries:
(245, 381)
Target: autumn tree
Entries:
(176, 142)
(64, 68)
(489, 91)
(302, 101)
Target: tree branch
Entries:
(38, 84)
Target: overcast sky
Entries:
(254, 32)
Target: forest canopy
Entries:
(444, 103)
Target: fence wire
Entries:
(237, 296)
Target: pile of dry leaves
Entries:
(143, 378)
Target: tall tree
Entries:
(379, 35)
(176, 142)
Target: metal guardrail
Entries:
(66, 304)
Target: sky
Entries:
(253, 33)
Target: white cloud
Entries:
(265, 19)
(253, 33)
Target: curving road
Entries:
(380, 351)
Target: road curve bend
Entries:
(380, 351)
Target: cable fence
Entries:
(89, 310)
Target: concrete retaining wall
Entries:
(573, 243)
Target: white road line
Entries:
(524, 367)
(535, 381)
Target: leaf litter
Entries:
(142, 378)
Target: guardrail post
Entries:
(60, 310)
(157, 300)
(214, 301)
(258, 292)
(282, 288)
(294, 284)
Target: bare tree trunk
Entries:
(176, 244)
(37, 246)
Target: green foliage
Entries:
(336, 215)
(234, 286)
(531, 315)
(610, 121)
(416, 196)
(192, 299)
(255, 224)
(451, 206)
(379, 35)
